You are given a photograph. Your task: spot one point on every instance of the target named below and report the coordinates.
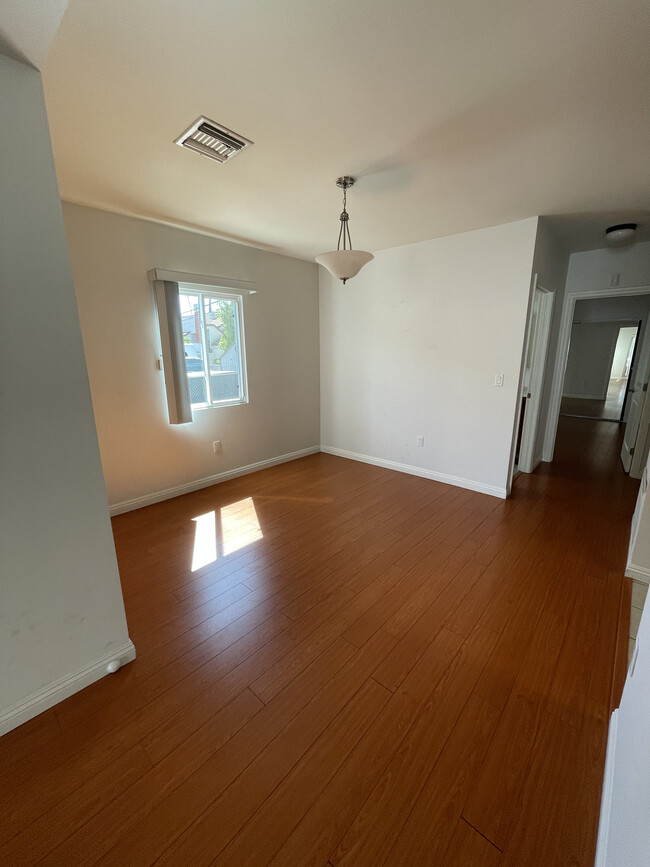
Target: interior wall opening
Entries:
(601, 358)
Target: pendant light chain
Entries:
(344, 231)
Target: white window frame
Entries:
(203, 291)
(171, 362)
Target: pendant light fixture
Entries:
(344, 263)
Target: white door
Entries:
(638, 419)
(533, 379)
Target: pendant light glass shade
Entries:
(347, 262)
(621, 233)
(344, 264)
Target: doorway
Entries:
(636, 410)
(601, 357)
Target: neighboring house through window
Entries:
(213, 343)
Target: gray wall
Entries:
(60, 598)
(591, 353)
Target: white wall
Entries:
(624, 837)
(550, 263)
(594, 269)
(142, 453)
(411, 346)
(589, 364)
(61, 605)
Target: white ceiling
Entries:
(27, 29)
(453, 114)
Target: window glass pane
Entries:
(212, 329)
(194, 355)
(222, 341)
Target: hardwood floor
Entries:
(375, 669)
(609, 409)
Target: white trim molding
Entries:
(63, 688)
(638, 573)
(188, 487)
(606, 797)
(456, 481)
(242, 287)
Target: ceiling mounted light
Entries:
(344, 263)
(621, 233)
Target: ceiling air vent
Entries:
(212, 140)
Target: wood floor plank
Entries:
(333, 812)
(533, 837)
(377, 825)
(428, 831)
(494, 799)
(281, 810)
(322, 689)
(497, 681)
(32, 844)
(275, 678)
(175, 729)
(374, 617)
(96, 836)
(576, 843)
(212, 659)
(570, 686)
(600, 679)
(469, 849)
(621, 652)
(396, 666)
(440, 566)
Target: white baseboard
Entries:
(606, 797)
(639, 573)
(188, 487)
(457, 481)
(586, 396)
(63, 688)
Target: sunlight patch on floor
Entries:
(205, 541)
(233, 528)
(239, 526)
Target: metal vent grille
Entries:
(212, 140)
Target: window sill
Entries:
(202, 407)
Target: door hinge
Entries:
(632, 450)
(645, 387)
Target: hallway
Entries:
(387, 670)
(609, 409)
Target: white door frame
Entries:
(563, 352)
(538, 366)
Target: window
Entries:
(201, 325)
(213, 344)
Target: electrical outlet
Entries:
(216, 446)
(498, 380)
(419, 441)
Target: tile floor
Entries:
(639, 594)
